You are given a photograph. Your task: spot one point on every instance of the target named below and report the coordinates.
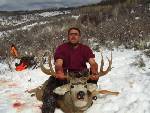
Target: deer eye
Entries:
(72, 86)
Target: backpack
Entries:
(25, 62)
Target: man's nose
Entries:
(73, 38)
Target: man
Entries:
(69, 57)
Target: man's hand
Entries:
(94, 77)
(94, 71)
(59, 69)
(60, 75)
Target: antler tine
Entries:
(50, 65)
(102, 72)
(102, 63)
(47, 71)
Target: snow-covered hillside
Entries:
(11, 22)
(132, 82)
(20, 19)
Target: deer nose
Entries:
(80, 95)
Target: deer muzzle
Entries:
(80, 95)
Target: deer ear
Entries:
(62, 89)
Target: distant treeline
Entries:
(103, 2)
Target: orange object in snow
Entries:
(21, 67)
(14, 51)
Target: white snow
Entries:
(1, 34)
(45, 14)
(53, 13)
(75, 16)
(132, 82)
(137, 18)
(6, 21)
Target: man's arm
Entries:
(94, 68)
(59, 69)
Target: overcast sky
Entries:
(40, 4)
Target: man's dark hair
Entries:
(75, 28)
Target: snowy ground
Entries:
(132, 82)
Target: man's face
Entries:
(73, 36)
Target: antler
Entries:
(102, 72)
(50, 71)
(47, 71)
